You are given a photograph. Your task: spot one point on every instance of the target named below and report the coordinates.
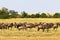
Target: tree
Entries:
(13, 14)
(19, 16)
(37, 15)
(49, 15)
(28, 16)
(33, 16)
(4, 13)
(43, 15)
(24, 14)
(4, 9)
(56, 15)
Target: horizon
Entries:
(32, 6)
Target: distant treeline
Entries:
(5, 13)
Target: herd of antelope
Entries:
(25, 26)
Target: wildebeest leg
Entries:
(53, 28)
(30, 28)
(7, 27)
(25, 28)
(43, 30)
(19, 29)
(2, 27)
(11, 27)
(15, 26)
(47, 30)
(56, 29)
(38, 29)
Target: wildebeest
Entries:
(31, 25)
(9, 25)
(20, 26)
(15, 24)
(55, 26)
(26, 25)
(44, 26)
(3, 25)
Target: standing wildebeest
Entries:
(15, 24)
(25, 25)
(20, 26)
(3, 25)
(30, 25)
(9, 25)
(55, 26)
(44, 26)
(41, 26)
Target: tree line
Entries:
(5, 13)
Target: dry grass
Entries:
(27, 38)
(33, 34)
(32, 20)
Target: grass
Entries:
(31, 20)
(27, 38)
(31, 34)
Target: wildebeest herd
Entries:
(25, 26)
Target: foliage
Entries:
(37, 15)
(13, 14)
(56, 15)
(24, 14)
(5, 13)
(43, 15)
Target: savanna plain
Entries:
(30, 34)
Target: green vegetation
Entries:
(5, 13)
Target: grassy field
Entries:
(31, 20)
(32, 34)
